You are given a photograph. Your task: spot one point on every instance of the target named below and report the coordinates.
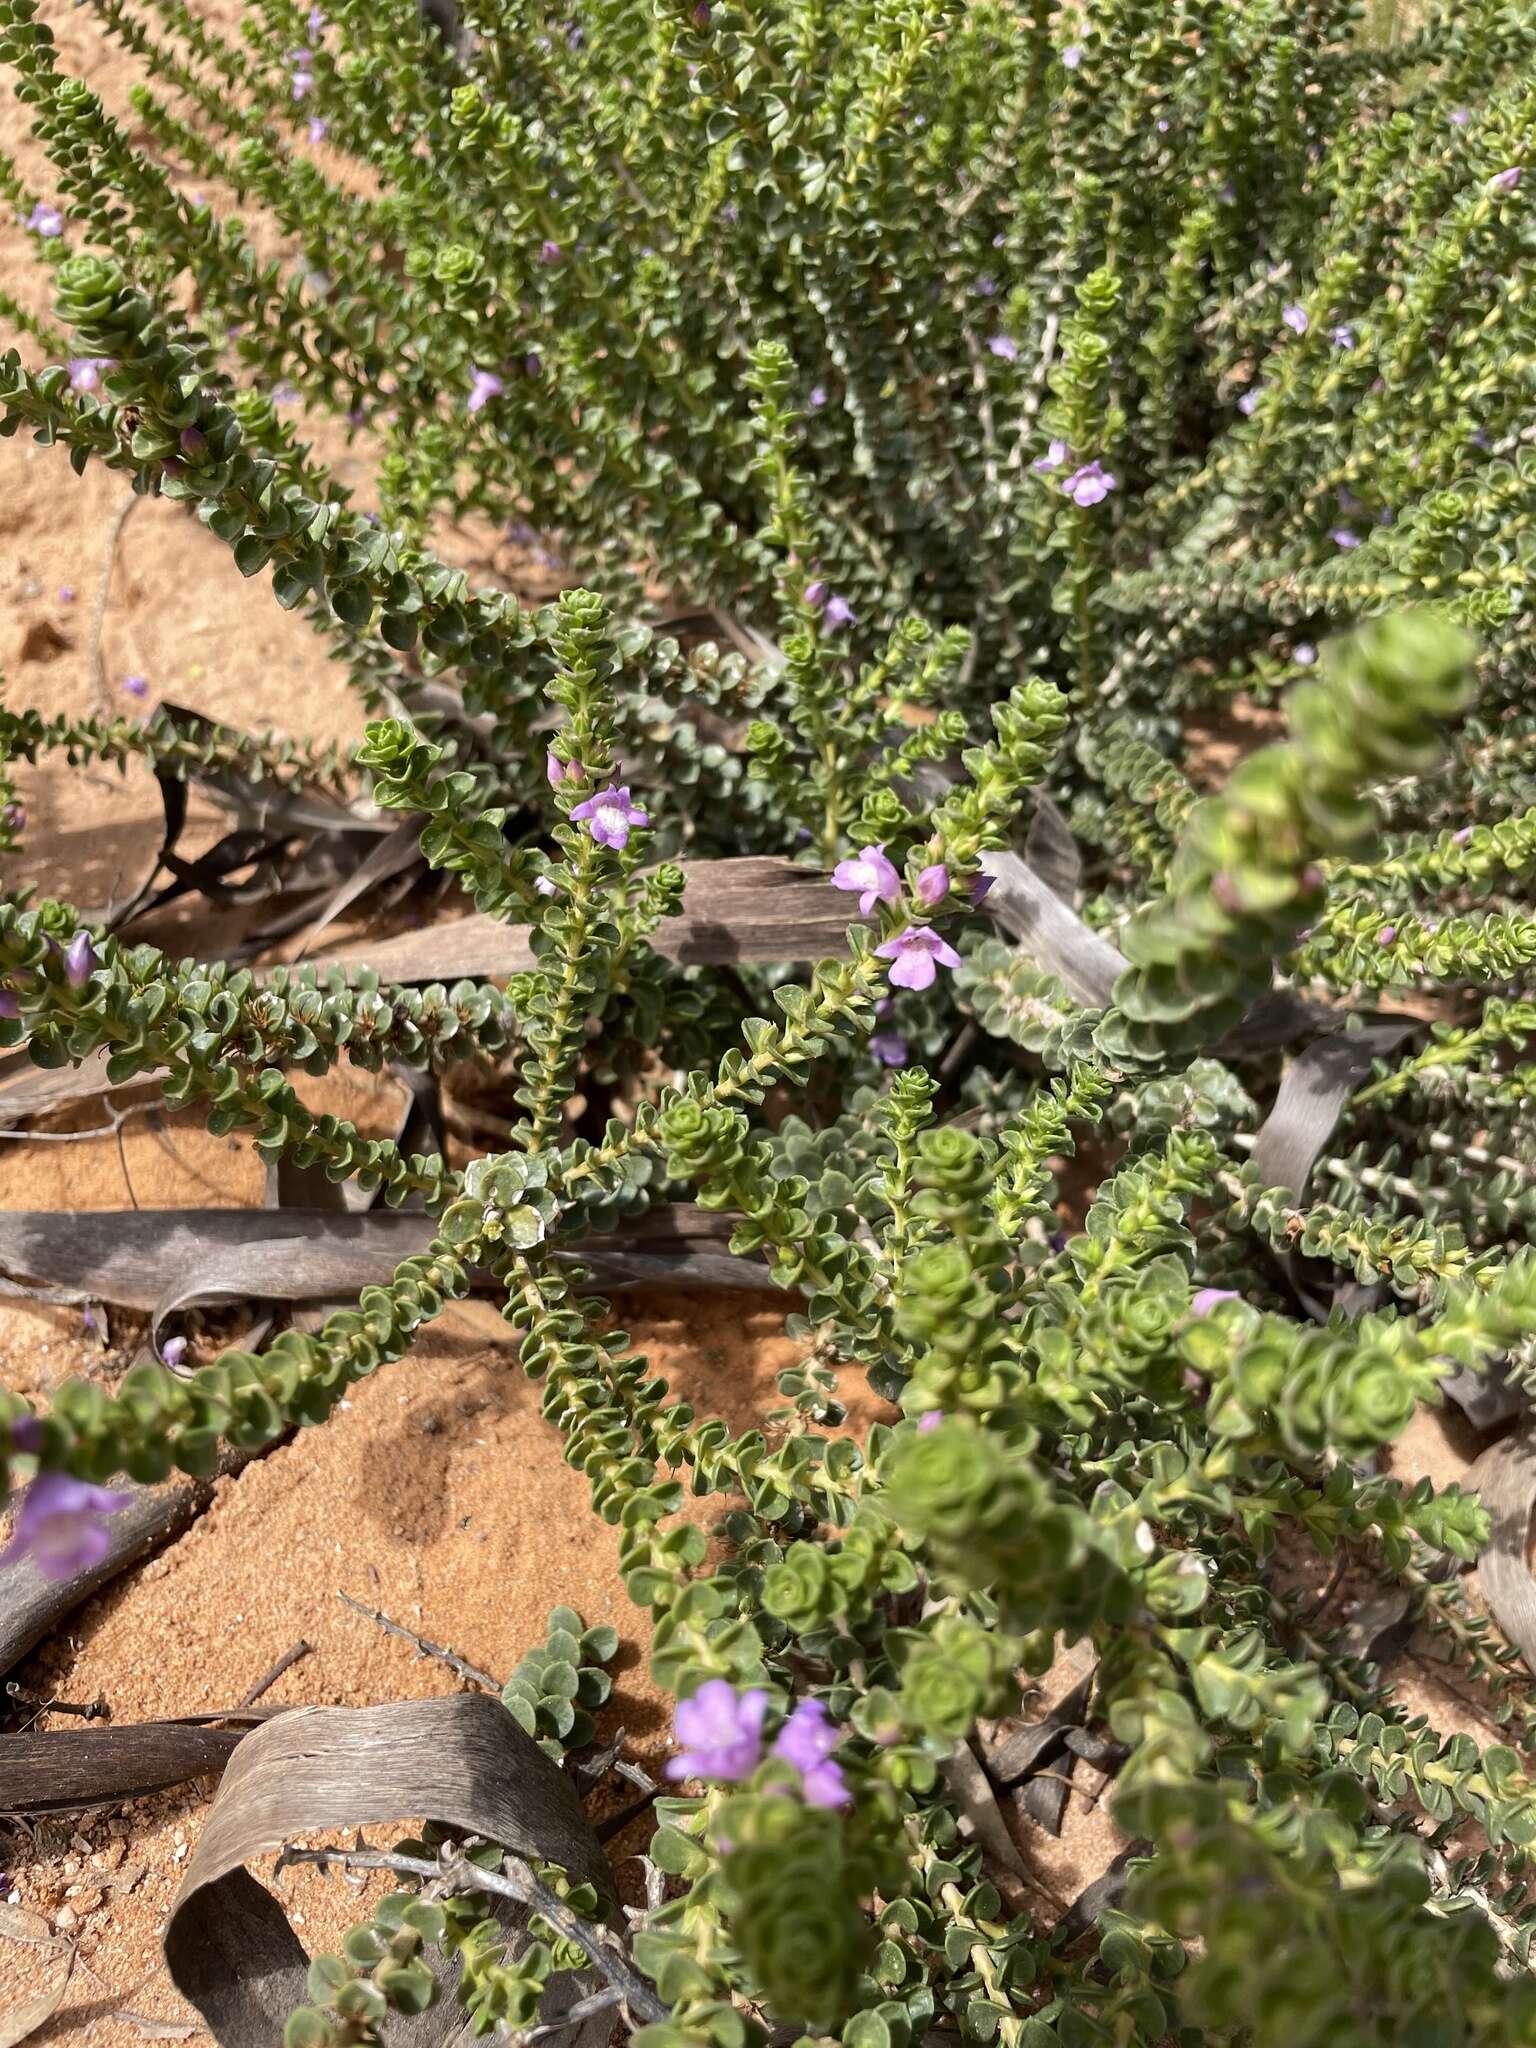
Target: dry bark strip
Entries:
(462, 1761)
(754, 909)
(1504, 1479)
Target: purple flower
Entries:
(1209, 1297)
(484, 385)
(932, 885)
(1005, 346)
(730, 213)
(816, 595)
(1053, 457)
(62, 1525)
(543, 886)
(916, 956)
(980, 888)
(609, 815)
(285, 394)
(80, 961)
(987, 287)
(720, 1732)
(1248, 404)
(1295, 317)
(85, 371)
(1457, 838)
(1386, 935)
(550, 252)
(818, 397)
(318, 129)
(1343, 538)
(298, 59)
(807, 1741)
(1090, 485)
(1072, 56)
(701, 14)
(929, 1421)
(173, 1351)
(27, 1434)
(66, 593)
(1460, 116)
(46, 221)
(889, 1048)
(1343, 336)
(1304, 653)
(303, 84)
(839, 613)
(317, 23)
(136, 686)
(15, 816)
(554, 768)
(1507, 181)
(872, 875)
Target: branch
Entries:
(514, 1881)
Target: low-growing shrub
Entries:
(1017, 389)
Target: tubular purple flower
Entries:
(1342, 537)
(1090, 485)
(929, 1421)
(825, 1785)
(818, 397)
(543, 886)
(318, 129)
(62, 1525)
(1072, 56)
(609, 816)
(1248, 404)
(1507, 181)
(815, 595)
(85, 372)
(66, 593)
(484, 385)
(1005, 346)
(80, 961)
(550, 252)
(807, 1737)
(15, 816)
(839, 613)
(1295, 317)
(1304, 653)
(916, 955)
(1387, 935)
(303, 84)
(932, 886)
(1460, 838)
(1208, 1298)
(889, 1048)
(1054, 456)
(719, 1732)
(871, 874)
(173, 1351)
(1343, 336)
(136, 686)
(46, 221)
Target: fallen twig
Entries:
(99, 609)
(513, 1881)
(443, 1655)
(285, 1662)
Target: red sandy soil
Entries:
(438, 1493)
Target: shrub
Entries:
(1017, 389)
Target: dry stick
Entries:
(99, 609)
(449, 1657)
(514, 1881)
(270, 1678)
